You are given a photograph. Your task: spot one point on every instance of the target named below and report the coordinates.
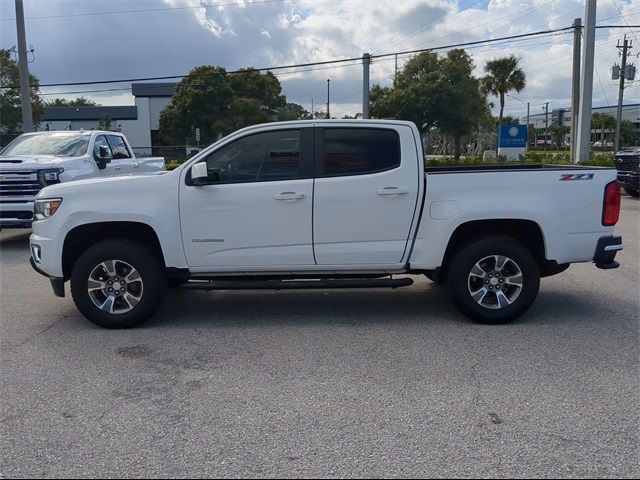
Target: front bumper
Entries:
(629, 179)
(606, 251)
(57, 284)
(16, 215)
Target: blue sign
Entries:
(513, 136)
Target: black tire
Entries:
(634, 192)
(151, 287)
(494, 310)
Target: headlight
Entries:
(45, 208)
(49, 176)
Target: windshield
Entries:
(57, 144)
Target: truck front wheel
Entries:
(494, 279)
(118, 283)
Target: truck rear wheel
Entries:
(494, 279)
(118, 283)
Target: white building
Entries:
(139, 122)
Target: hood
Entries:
(118, 184)
(28, 162)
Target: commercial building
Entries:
(139, 122)
(562, 116)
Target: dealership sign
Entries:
(512, 141)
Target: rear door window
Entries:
(358, 151)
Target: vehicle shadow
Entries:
(15, 238)
(422, 303)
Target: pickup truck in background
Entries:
(628, 165)
(34, 160)
(322, 204)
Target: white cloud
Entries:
(172, 42)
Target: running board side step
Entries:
(297, 284)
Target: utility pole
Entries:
(313, 116)
(366, 61)
(586, 83)
(575, 87)
(328, 81)
(626, 46)
(23, 66)
(395, 72)
(546, 123)
(527, 148)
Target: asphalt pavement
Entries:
(348, 383)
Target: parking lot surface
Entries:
(347, 383)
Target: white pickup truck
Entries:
(34, 160)
(322, 204)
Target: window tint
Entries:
(357, 151)
(101, 141)
(118, 147)
(261, 157)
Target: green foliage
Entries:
(434, 93)
(628, 135)
(557, 133)
(104, 123)
(10, 108)
(293, 111)
(219, 103)
(503, 76)
(602, 122)
(76, 102)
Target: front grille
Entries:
(20, 215)
(20, 186)
(628, 164)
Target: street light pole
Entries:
(328, 81)
(528, 105)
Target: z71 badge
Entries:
(576, 176)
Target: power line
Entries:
(234, 4)
(310, 64)
(624, 19)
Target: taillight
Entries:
(611, 205)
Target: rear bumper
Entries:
(606, 251)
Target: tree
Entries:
(558, 133)
(509, 120)
(219, 103)
(435, 93)
(628, 135)
(10, 107)
(77, 102)
(603, 122)
(293, 111)
(104, 123)
(503, 76)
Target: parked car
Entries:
(628, 165)
(323, 204)
(601, 143)
(34, 160)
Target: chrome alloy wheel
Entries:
(115, 286)
(495, 282)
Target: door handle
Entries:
(392, 191)
(117, 168)
(289, 196)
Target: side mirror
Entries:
(199, 174)
(103, 157)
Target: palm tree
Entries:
(604, 123)
(503, 76)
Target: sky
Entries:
(91, 40)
